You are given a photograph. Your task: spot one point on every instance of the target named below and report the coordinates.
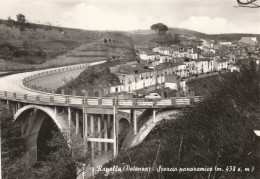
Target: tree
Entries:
(159, 28)
(65, 160)
(20, 18)
(12, 147)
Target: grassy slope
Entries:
(58, 45)
(208, 136)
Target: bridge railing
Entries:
(63, 100)
(26, 81)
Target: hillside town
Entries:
(172, 66)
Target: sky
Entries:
(207, 16)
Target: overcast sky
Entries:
(208, 16)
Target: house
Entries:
(163, 50)
(180, 69)
(190, 65)
(202, 65)
(149, 55)
(225, 43)
(187, 52)
(134, 77)
(152, 63)
(175, 82)
(165, 58)
(210, 64)
(234, 68)
(220, 64)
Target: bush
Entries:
(5, 52)
(20, 53)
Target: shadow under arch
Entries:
(123, 128)
(33, 118)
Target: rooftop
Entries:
(131, 69)
(203, 59)
(149, 52)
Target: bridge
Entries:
(107, 124)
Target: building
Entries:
(204, 65)
(177, 51)
(190, 65)
(220, 64)
(233, 68)
(137, 76)
(153, 63)
(149, 55)
(165, 58)
(225, 43)
(201, 66)
(174, 82)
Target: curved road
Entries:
(14, 83)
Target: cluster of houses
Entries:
(173, 74)
(171, 66)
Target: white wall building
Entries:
(219, 65)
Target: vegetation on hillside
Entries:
(206, 86)
(231, 37)
(216, 132)
(93, 79)
(11, 145)
(26, 45)
(56, 158)
(25, 42)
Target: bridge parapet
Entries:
(100, 102)
(26, 81)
